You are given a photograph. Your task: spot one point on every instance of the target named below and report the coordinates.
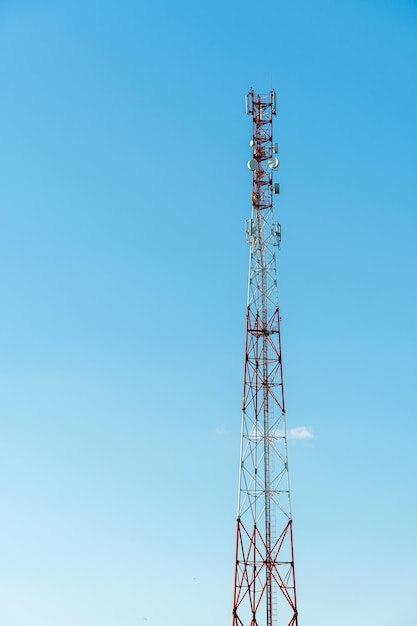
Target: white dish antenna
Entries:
(275, 148)
(253, 165)
(252, 143)
(273, 163)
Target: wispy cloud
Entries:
(220, 430)
(300, 432)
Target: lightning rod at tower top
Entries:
(264, 576)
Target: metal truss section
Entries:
(265, 592)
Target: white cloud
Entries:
(300, 432)
(220, 430)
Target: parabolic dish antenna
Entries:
(253, 165)
(273, 163)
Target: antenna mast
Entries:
(264, 593)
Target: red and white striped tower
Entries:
(264, 593)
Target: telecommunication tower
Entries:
(264, 582)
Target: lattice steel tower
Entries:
(264, 593)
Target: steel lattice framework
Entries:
(264, 589)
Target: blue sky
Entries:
(123, 270)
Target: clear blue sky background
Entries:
(123, 270)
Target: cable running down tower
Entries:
(264, 583)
